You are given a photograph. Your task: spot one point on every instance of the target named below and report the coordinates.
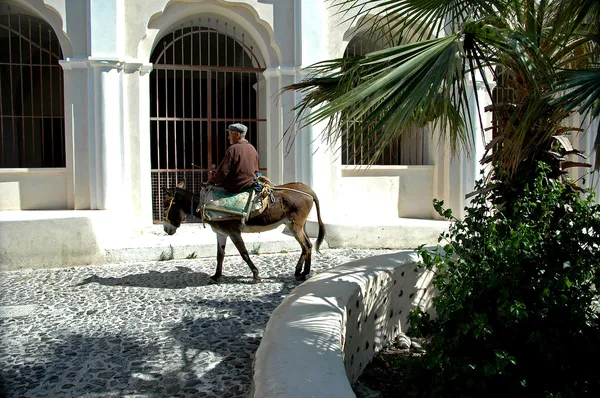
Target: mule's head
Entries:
(174, 213)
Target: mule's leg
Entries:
(221, 241)
(239, 243)
(308, 260)
(305, 257)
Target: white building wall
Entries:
(107, 46)
(32, 189)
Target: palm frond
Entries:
(580, 90)
(423, 19)
(544, 52)
(391, 91)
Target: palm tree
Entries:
(539, 61)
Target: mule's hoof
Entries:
(256, 280)
(212, 281)
(303, 277)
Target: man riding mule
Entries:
(257, 206)
(236, 174)
(239, 167)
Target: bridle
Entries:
(172, 202)
(166, 216)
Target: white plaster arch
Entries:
(348, 32)
(52, 15)
(245, 16)
(358, 27)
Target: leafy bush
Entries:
(516, 309)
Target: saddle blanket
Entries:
(218, 204)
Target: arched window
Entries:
(31, 92)
(410, 149)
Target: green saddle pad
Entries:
(220, 204)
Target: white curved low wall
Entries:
(323, 335)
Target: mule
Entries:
(291, 205)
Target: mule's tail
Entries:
(321, 225)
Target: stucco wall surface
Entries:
(327, 330)
(363, 231)
(33, 189)
(48, 239)
(392, 191)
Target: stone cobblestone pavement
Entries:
(150, 329)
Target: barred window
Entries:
(205, 77)
(410, 149)
(31, 92)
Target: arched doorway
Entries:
(204, 78)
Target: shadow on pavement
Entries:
(78, 364)
(198, 356)
(244, 323)
(180, 279)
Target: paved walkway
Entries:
(145, 329)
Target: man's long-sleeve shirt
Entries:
(236, 171)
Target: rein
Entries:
(290, 189)
(166, 217)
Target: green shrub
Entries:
(516, 310)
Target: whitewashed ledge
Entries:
(322, 336)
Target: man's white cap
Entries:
(239, 127)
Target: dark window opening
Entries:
(410, 149)
(31, 93)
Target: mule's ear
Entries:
(181, 184)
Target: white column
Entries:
(457, 184)
(94, 130)
(274, 153)
(69, 139)
(481, 138)
(105, 27)
(106, 135)
(325, 170)
(136, 148)
(289, 144)
(440, 152)
(584, 141)
(76, 132)
(316, 161)
(464, 168)
(105, 104)
(261, 93)
(304, 151)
